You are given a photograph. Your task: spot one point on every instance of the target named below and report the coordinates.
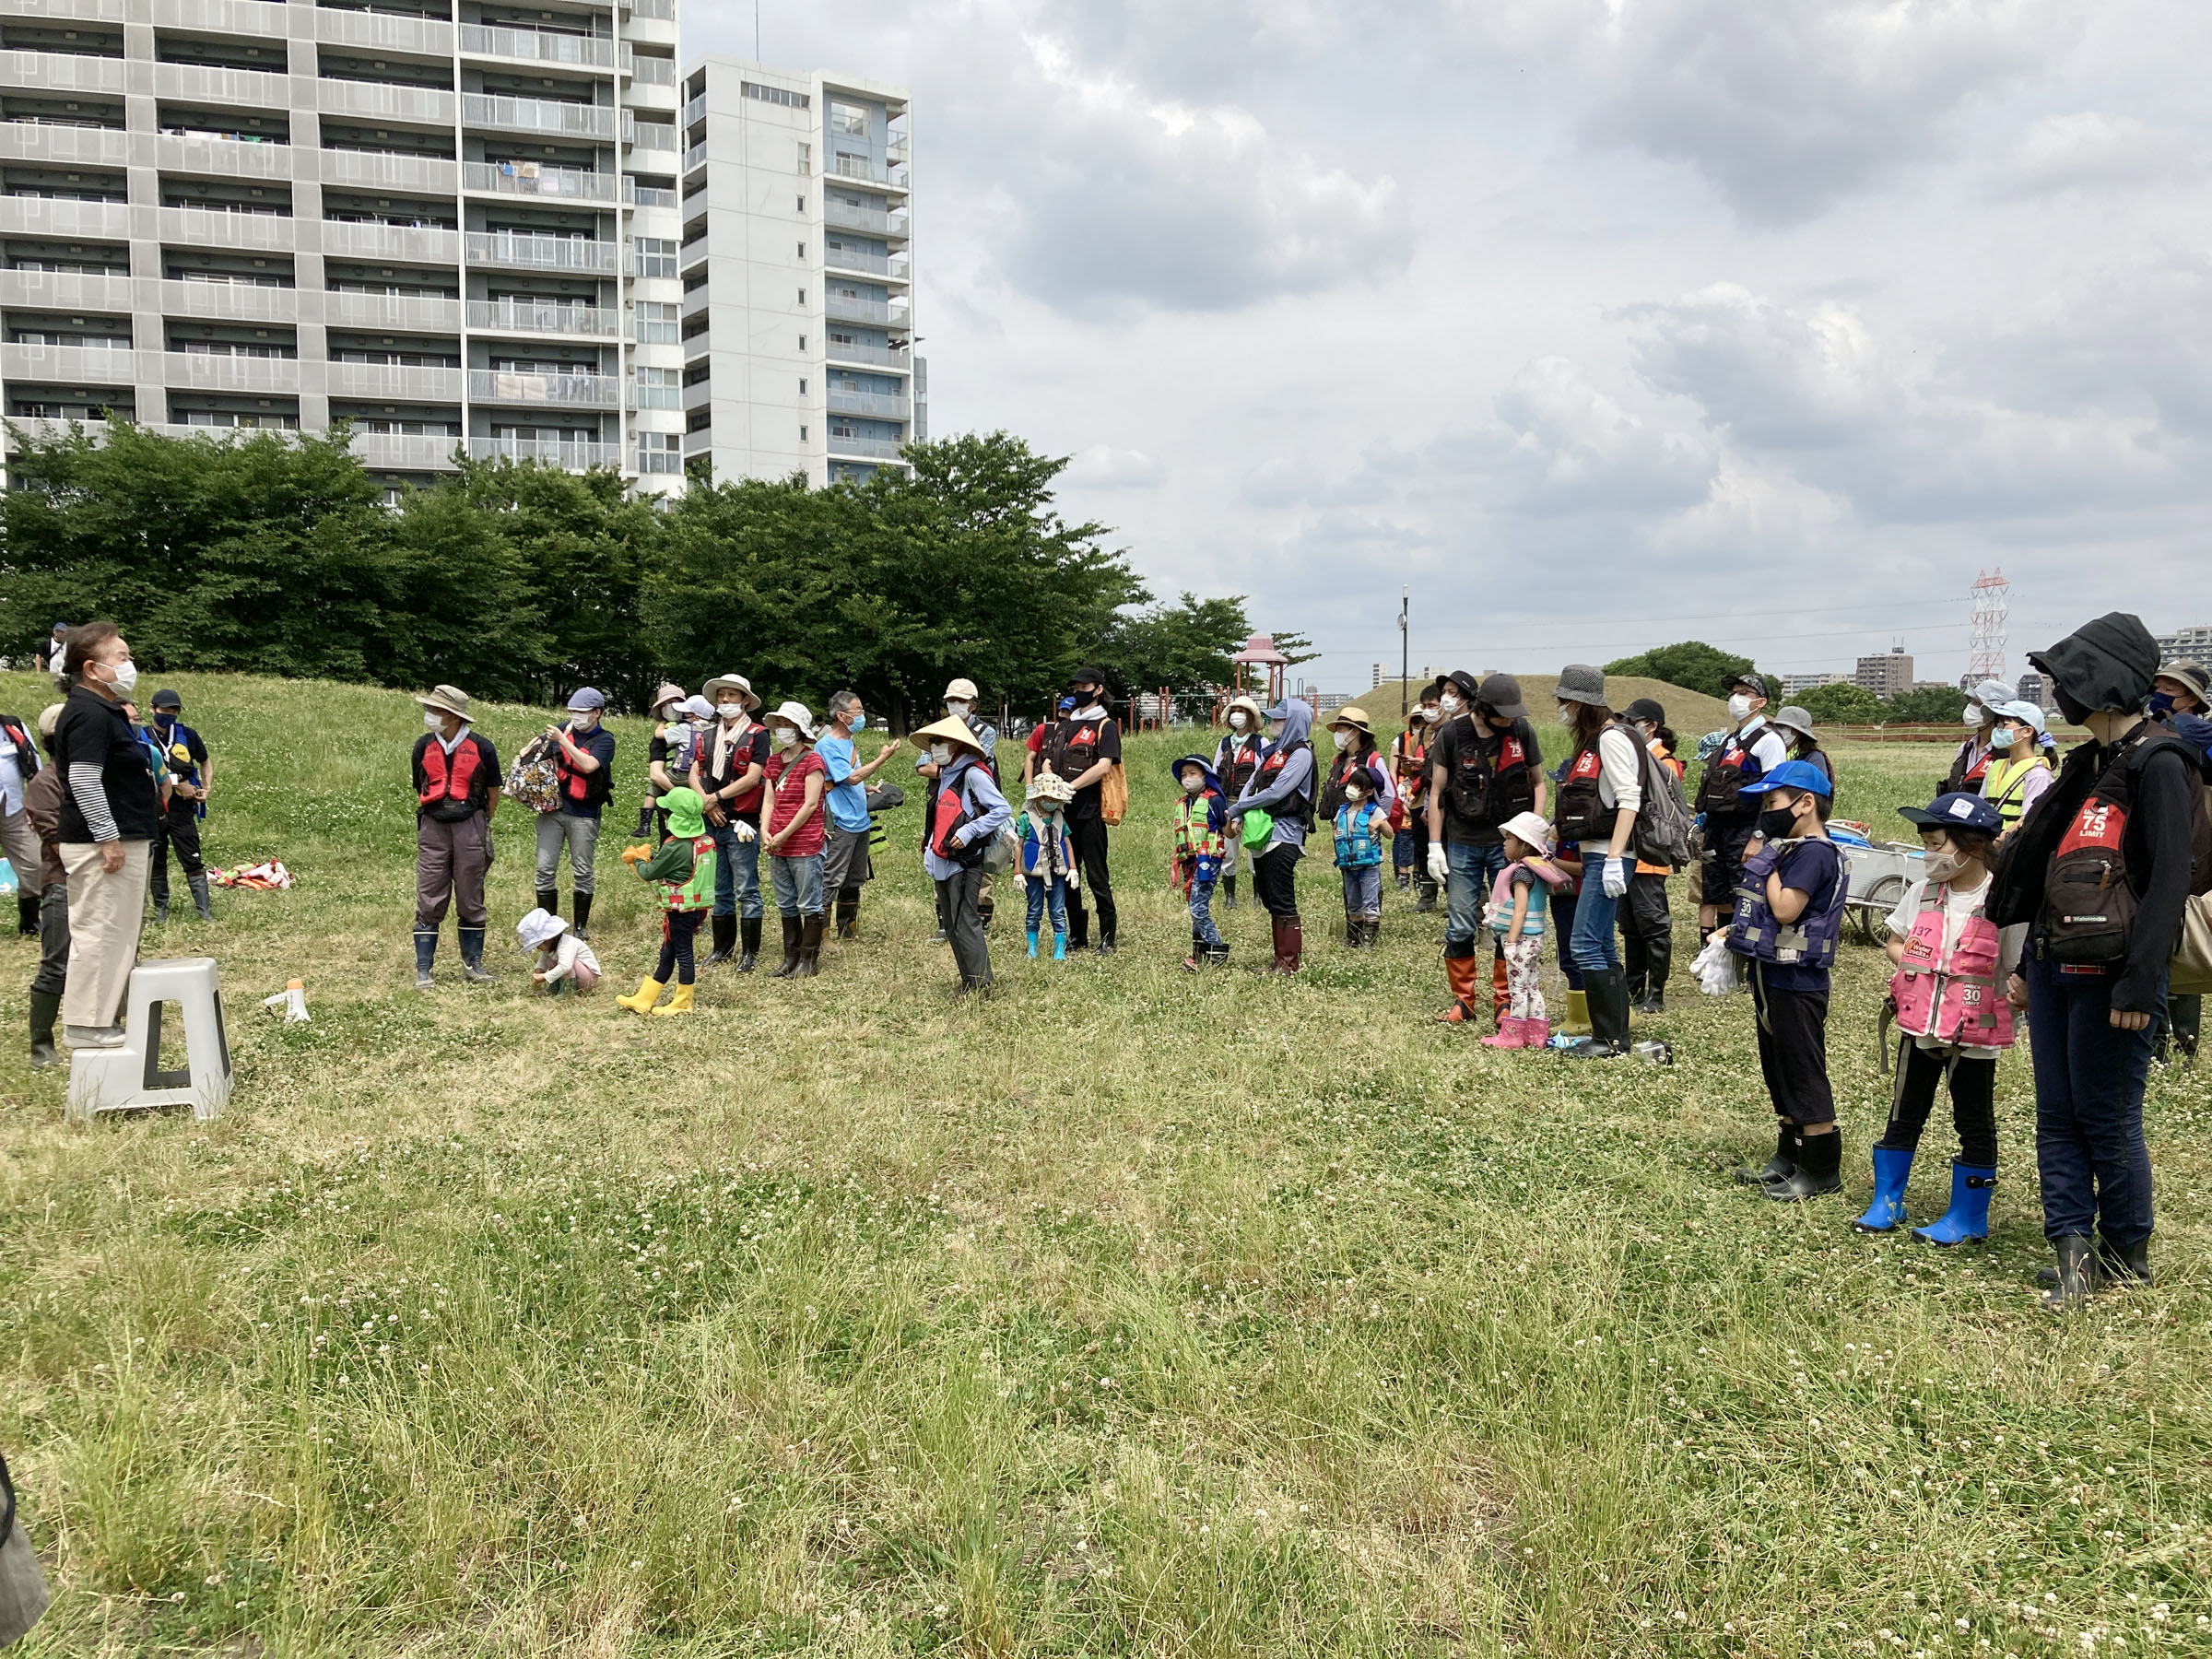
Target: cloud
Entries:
(2093, 151)
(1103, 466)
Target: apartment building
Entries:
(448, 222)
(797, 266)
(2186, 645)
(1890, 674)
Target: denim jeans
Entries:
(2088, 1106)
(798, 883)
(1047, 896)
(1362, 889)
(1473, 871)
(737, 872)
(1591, 942)
(1202, 912)
(1405, 851)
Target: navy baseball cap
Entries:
(586, 699)
(1790, 775)
(1957, 810)
(167, 700)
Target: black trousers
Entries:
(179, 828)
(1647, 936)
(1920, 1072)
(1275, 874)
(957, 896)
(679, 928)
(1087, 836)
(1792, 1051)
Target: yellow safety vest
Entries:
(2003, 786)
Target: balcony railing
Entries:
(882, 356)
(538, 45)
(58, 290)
(377, 170)
(527, 178)
(231, 301)
(538, 252)
(649, 71)
(881, 312)
(76, 365)
(538, 115)
(873, 220)
(427, 246)
(426, 311)
(864, 449)
(514, 317)
(214, 228)
(578, 454)
(36, 216)
(432, 36)
(222, 158)
(845, 165)
(876, 405)
(191, 372)
(429, 105)
(663, 9)
(695, 111)
(696, 156)
(651, 136)
(394, 382)
(646, 196)
(404, 452)
(68, 147)
(850, 258)
(561, 391)
(219, 17)
(60, 72)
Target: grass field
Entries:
(1128, 1312)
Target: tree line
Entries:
(1697, 667)
(281, 554)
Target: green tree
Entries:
(471, 614)
(1928, 705)
(1691, 664)
(1186, 645)
(1841, 704)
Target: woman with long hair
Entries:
(1601, 790)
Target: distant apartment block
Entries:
(1890, 674)
(1794, 683)
(797, 274)
(2186, 645)
(451, 223)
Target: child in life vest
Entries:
(1519, 898)
(1048, 856)
(1788, 918)
(1361, 824)
(682, 874)
(1201, 854)
(565, 963)
(1952, 1016)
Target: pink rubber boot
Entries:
(1512, 1033)
(1535, 1033)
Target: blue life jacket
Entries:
(1756, 932)
(1357, 842)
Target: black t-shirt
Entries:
(1459, 746)
(1080, 745)
(747, 752)
(94, 732)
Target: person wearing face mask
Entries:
(1360, 823)
(18, 839)
(793, 837)
(729, 764)
(1201, 850)
(1971, 761)
(1726, 800)
(1048, 858)
(584, 761)
(1485, 768)
(2178, 689)
(1409, 817)
(1356, 754)
(1284, 786)
(1601, 790)
(1647, 923)
(456, 791)
(1788, 919)
(1088, 747)
(191, 776)
(1800, 741)
(1040, 735)
(1949, 995)
(2018, 772)
(845, 862)
(670, 728)
(960, 701)
(1235, 757)
(43, 803)
(965, 815)
(2101, 872)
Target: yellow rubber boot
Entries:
(1577, 1023)
(647, 994)
(680, 1003)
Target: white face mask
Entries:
(1973, 716)
(1237, 721)
(1353, 798)
(126, 676)
(432, 719)
(730, 711)
(1566, 714)
(784, 737)
(941, 753)
(582, 720)
(1943, 865)
(1343, 740)
(958, 709)
(1193, 785)
(1739, 707)
(1450, 704)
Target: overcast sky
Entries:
(1601, 322)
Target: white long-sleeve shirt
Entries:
(1620, 776)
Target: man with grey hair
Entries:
(845, 864)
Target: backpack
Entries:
(534, 778)
(1663, 823)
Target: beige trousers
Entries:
(106, 913)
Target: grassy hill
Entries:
(1130, 1312)
(1689, 713)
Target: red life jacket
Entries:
(948, 813)
(453, 782)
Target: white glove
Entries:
(743, 831)
(1715, 968)
(1615, 878)
(1440, 865)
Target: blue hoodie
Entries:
(1269, 790)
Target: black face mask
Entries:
(2075, 711)
(163, 717)
(1778, 823)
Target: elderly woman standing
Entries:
(109, 815)
(1283, 785)
(795, 835)
(456, 791)
(728, 763)
(965, 814)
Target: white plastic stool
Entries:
(131, 1078)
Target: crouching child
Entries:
(682, 875)
(565, 965)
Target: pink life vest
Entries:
(1954, 999)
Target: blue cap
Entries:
(587, 698)
(1068, 705)
(1790, 775)
(1957, 810)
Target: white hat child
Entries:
(1527, 827)
(538, 929)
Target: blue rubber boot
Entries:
(1059, 948)
(1967, 1217)
(1032, 942)
(1887, 1213)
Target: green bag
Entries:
(1259, 825)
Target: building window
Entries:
(806, 160)
(699, 419)
(802, 343)
(802, 434)
(653, 256)
(657, 321)
(775, 95)
(801, 385)
(659, 388)
(660, 453)
(802, 296)
(799, 205)
(849, 118)
(802, 250)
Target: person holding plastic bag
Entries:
(1283, 785)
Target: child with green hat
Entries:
(683, 872)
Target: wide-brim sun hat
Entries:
(1352, 715)
(1790, 775)
(951, 731)
(731, 682)
(1047, 786)
(1531, 827)
(794, 713)
(2185, 673)
(686, 813)
(1248, 705)
(538, 929)
(1792, 719)
(450, 699)
(667, 692)
(1957, 810)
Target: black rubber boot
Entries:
(1426, 890)
(583, 916)
(848, 914)
(725, 938)
(472, 958)
(1606, 990)
(549, 900)
(1780, 1167)
(1229, 891)
(198, 884)
(644, 821)
(45, 1008)
(1354, 934)
(426, 957)
(1820, 1171)
(2124, 1265)
(789, 965)
(26, 907)
(2079, 1276)
(810, 946)
(750, 955)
